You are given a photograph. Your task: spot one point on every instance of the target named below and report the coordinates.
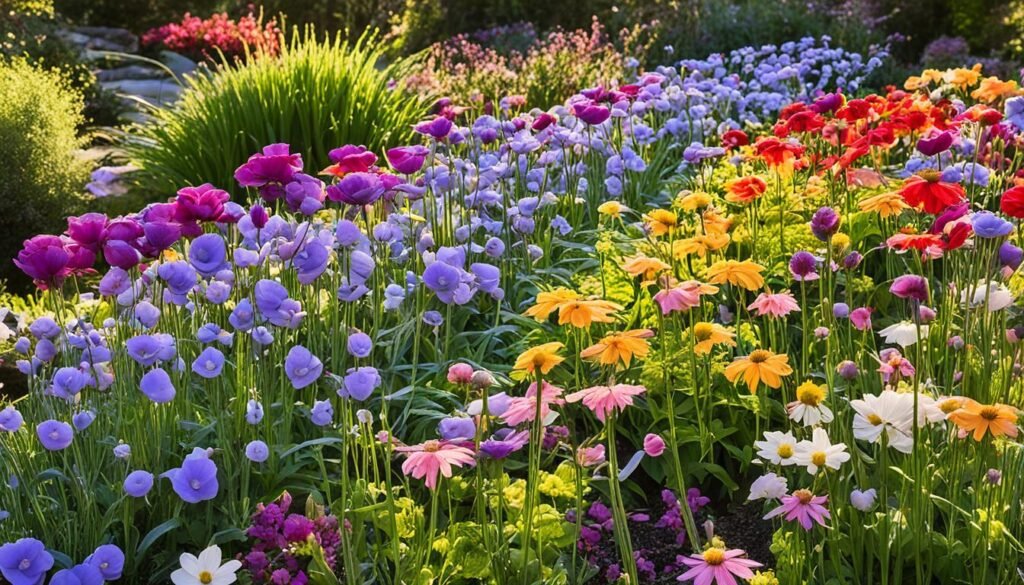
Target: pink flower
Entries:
(910, 286)
(654, 445)
(603, 400)
(861, 318)
(590, 456)
(682, 297)
(717, 566)
(804, 507)
(774, 305)
(460, 373)
(524, 408)
(426, 460)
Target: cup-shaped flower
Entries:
(55, 435)
(196, 480)
(25, 561)
(359, 383)
(407, 159)
(302, 367)
(138, 483)
(209, 363)
(157, 386)
(606, 400)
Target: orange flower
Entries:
(777, 153)
(998, 419)
(745, 189)
(542, 357)
(927, 190)
(962, 77)
(745, 274)
(581, 313)
(616, 347)
(699, 245)
(694, 201)
(885, 204)
(760, 366)
(549, 301)
(643, 265)
(661, 222)
(708, 335)
(992, 89)
(928, 77)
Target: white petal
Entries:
(189, 563)
(182, 577)
(209, 559)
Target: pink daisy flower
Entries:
(804, 507)
(717, 566)
(524, 408)
(679, 298)
(603, 400)
(774, 305)
(424, 461)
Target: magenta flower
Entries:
(350, 159)
(356, 189)
(276, 164)
(910, 286)
(861, 318)
(605, 400)
(591, 113)
(87, 230)
(654, 445)
(407, 159)
(804, 507)
(717, 566)
(936, 144)
(803, 266)
(45, 260)
(202, 203)
(439, 128)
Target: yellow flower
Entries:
(542, 357)
(661, 222)
(765, 578)
(707, 335)
(993, 89)
(694, 201)
(699, 245)
(612, 349)
(760, 366)
(810, 393)
(928, 77)
(885, 204)
(612, 209)
(715, 223)
(840, 243)
(582, 313)
(962, 78)
(744, 274)
(643, 265)
(549, 302)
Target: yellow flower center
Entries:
(810, 394)
(205, 577)
(432, 446)
(714, 556)
(818, 458)
(805, 496)
(759, 356)
(874, 419)
(949, 405)
(703, 331)
(785, 450)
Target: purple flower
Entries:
(590, 113)
(78, 575)
(202, 203)
(10, 419)
(936, 144)
(454, 428)
(356, 189)
(55, 435)
(44, 260)
(824, 223)
(196, 480)
(989, 225)
(138, 483)
(359, 383)
(910, 286)
(276, 164)
(67, 382)
(87, 230)
(157, 386)
(304, 194)
(321, 413)
(44, 328)
(311, 261)
(146, 314)
(109, 559)
(433, 318)
(25, 562)
(360, 345)
(803, 266)
(352, 159)
(209, 363)
(443, 279)
(208, 254)
(302, 367)
(121, 254)
(1010, 255)
(179, 277)
(253, 412)
(439, 128)
(258, 216)
(407, 159)
(257, 451)
(147, 350)
(82, 420)
(503, 443)
(242, 317)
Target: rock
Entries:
(135, 117)
(130, 72)
(147, 88)
(179, 64)
(125, 39)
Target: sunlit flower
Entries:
(993, 89)
(683, 296)
(605, 400)
(524, 408)
(903, 333)
(992, 295)
(744, 274)
(707, 335)
(928, 191)
(804, 507)
(427, 460)
(885, 204)
(774, 304)
(549, 301)
(778, 448)
(620, 347)
(890, 413)
(612, 209)
(661, 222)
(717, 566)
(644, 266)
(699, 245)
(981, 419)
(809, 407)
(820, 452)
(745, 189)
(694, 201)
(582, 313)
(542, 357)
(761, 366)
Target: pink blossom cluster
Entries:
(204, 39)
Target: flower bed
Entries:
(502, 353)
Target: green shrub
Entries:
(316, 96)
(42, 180)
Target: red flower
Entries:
(735, 138)
(927, 190)
(1012, 202)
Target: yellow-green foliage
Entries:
(42, 179)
